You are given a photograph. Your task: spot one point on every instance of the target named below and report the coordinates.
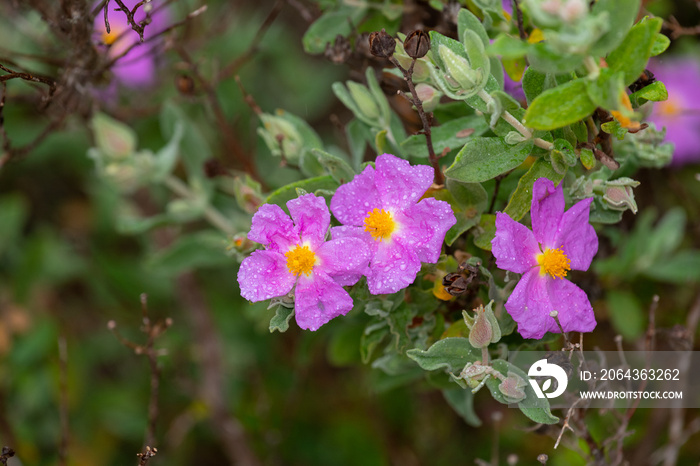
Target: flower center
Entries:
(554, 262)
(379, 224)
(669, 107)
(300, 260)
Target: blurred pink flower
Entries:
(559, 241)
(680, 114)
(138, 67)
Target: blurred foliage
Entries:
(76, 254)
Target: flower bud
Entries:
(619, 195)
(512, 388)
(459, 73)
(381, 44)
(281, 137)
(417, 44)
(483, 327)
(429, 96)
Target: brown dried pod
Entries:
(185, 84)
(417, 44)
(381, 44)
(340, 51)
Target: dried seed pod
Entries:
(381, 44)
(185, 84)
(417, 44)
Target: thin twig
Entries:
(408, 77)
(519, 19)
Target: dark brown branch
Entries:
(6, 454)
(519, 19)
(408, 77)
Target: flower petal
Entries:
(576, 236)
(264, 275)
(423, 228)
(273, 228)
(536, 296)
(392, 268)
(399, 184)
(311, 218)
(546, 210)
(353, 200)
(344, 259)
(318, 299)
(572, 304)
(514, 245)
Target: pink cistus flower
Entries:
(138, 67)
(381, 207)
(680, 114)
(559, 241)
(298, 257)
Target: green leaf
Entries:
(621, 16)
(451, 135)
(521, 199)
(542, 58)
(450, 354)
(166, 157)
(508, 47)
(13, 215)
(114, 138)
(359, 135)
(487, 232)
(681, 268)
(437, 40)
(329, 25)
(661, 43)
(656, 92)
(462, 401)
(280, 321)
(370, 341)
(196, 250)
(311, 185)
(482, 159)
(468, 200)
(606, 90)
(561, 106)
(533, 83)
(335, 166)
(467, 21)
(632, 55)
(626, 314)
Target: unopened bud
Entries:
(483, 328)
(417, 44)
(381, 44)
(459, 74)
(512, 388)
(429, 96)
(619, 194)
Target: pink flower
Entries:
(138, 67)
(381, 207)
(680, 114)
(297, 253)
(559, 241)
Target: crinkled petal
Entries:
(399, 184)
(264, 275)
(572, 304)
(546, 210)
(514, 245)
(535, 296)
(576, 236)
(311, 218)
(353, 200)
(273, 228)
(318, 299)
(344, 259)
(393, 267)
(423, 228)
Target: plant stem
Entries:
(408, 77)
(515, 123)
(212, 215)
(485, 356)
(592, 67)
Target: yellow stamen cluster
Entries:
(554, 262)
(300, 260)
(379, 224)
